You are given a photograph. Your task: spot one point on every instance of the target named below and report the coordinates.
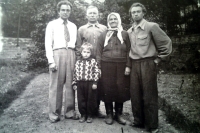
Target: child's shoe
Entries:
(89, 119)
(82, 119)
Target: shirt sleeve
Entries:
(162, 41)
(100, 46)
(49, 43)
(79, 43)
(128, 47)
(96, 72)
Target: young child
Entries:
(86, 76)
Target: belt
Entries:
(71, 48)
(144, 59)
(65, 48)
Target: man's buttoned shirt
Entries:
(55, 37)
(90, 33)
(148, 40)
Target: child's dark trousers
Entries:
(87, 98)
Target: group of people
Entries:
(107, 64)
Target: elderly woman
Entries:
(112, 57)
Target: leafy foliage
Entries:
(44, 13)
(35, 15)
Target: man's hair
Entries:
(144, 10)
(87, 45)
(90, 7)
(64, 2)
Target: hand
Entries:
(75, 87)
(94, 87)
(100, 72)
(157, 60)
(53, 67)
(127, 71)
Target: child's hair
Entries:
(87, 45)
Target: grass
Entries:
(13, 81)
(13, 75)
(180, 98)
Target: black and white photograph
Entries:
(99, 66)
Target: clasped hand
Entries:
(127, 71)
(53, 67)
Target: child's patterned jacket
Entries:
(86, 70)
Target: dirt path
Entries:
(29, 113)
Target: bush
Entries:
(184, 58)
(36, 54)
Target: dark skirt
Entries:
(114, 84)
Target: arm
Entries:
(128, 59)
(162, 41)
(128, 47)
(96, 74)
(100, 46)
(49, 43)
(78, 43)
(49, 47)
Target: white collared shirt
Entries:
(55, 39)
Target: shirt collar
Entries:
(141, 25)
(61, 21)
(90, 25)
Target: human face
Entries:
(92, 15)
(65, 11)
(113, 21)
(137, 13)
(86, 53)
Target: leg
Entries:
(56, 87)
(91, 101)
(109, 112)
(82, 98)
(118, 113)
(136, 95)
(150, 92)
(69, 103)
(98, 112)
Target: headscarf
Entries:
(110, 32)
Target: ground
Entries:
(24, 100)
(29, 113)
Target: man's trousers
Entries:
(61, 84)
(144, 92)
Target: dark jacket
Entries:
(114, 51)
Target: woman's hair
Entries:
(144, 10)
(87, 45)
(64, 2)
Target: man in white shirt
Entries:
(60, 39)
